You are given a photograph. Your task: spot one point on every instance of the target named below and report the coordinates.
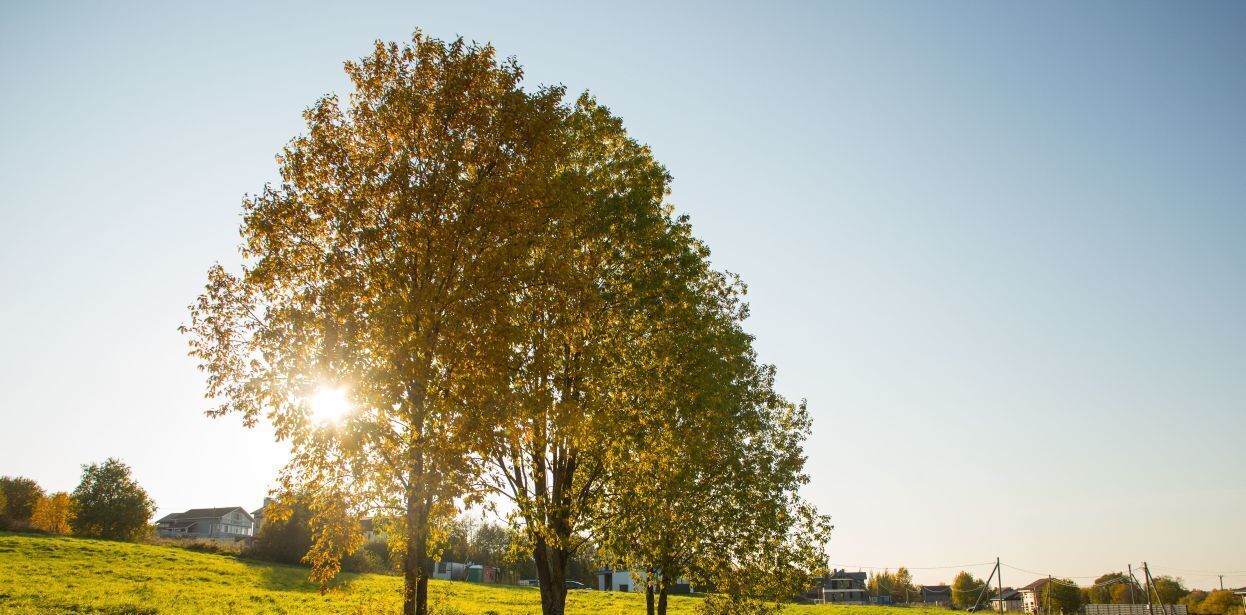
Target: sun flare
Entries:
(329, 404)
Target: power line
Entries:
(910, 567)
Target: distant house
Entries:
(611, 579)
(258, 515)
(370, 530)
(450, 571)
(841, 587)
(216, 523)
(939, 595)
(1241, 593)
(1030, 595)
(1008, 602)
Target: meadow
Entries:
(61, 574)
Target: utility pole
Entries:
(999, 582)
(1132, 582)
(1221, 582)
(1151, 586)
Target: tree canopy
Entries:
(110, 504)
(492, 283)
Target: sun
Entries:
(328, 404)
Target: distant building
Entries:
(216, 523)
(1008, 602)
(1030, 595)
(450, 571)
(610, 579)
(370, 530)
(939, 595)
(1241, 593)
(479, 573)
(841, 587)
(258, 515)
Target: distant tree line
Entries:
(1064, 595)
(107, 503)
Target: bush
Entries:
(363, 560)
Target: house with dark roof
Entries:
(216, 523)
(841, 587)
(1009, 601)
(935, 594)
(1030, 595)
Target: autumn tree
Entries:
(382, 271)
(716, 458)
(597, 274)
(21, 494)
(1127, 593)
(108, 503)
(898, 585)
(1218, 602)
(966, 589)
(53, 513)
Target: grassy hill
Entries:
(56, 574)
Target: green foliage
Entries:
(1062, 596)
(1168, 590)
(284, 538)
(110, 504)
(21, 494)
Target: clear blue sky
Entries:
(1000, 247)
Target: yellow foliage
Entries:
(52, 513)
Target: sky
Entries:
(997, 246)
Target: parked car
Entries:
(530, 582)
(577, 585)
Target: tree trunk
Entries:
(662, 596)
(551, 571)
(649, 599)
(416, 569)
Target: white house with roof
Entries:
(216, 523)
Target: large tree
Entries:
(595, 276)
(715, 456)
(110, 504)
(381, 270)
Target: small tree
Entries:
(1219, 602)
(1063, 596)
(286, 534)
(1168, 590)
(110, 504)
(965, 590)
(53, 513)
(20, 495)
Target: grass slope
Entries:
(59, 574)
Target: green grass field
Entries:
(56, 574)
